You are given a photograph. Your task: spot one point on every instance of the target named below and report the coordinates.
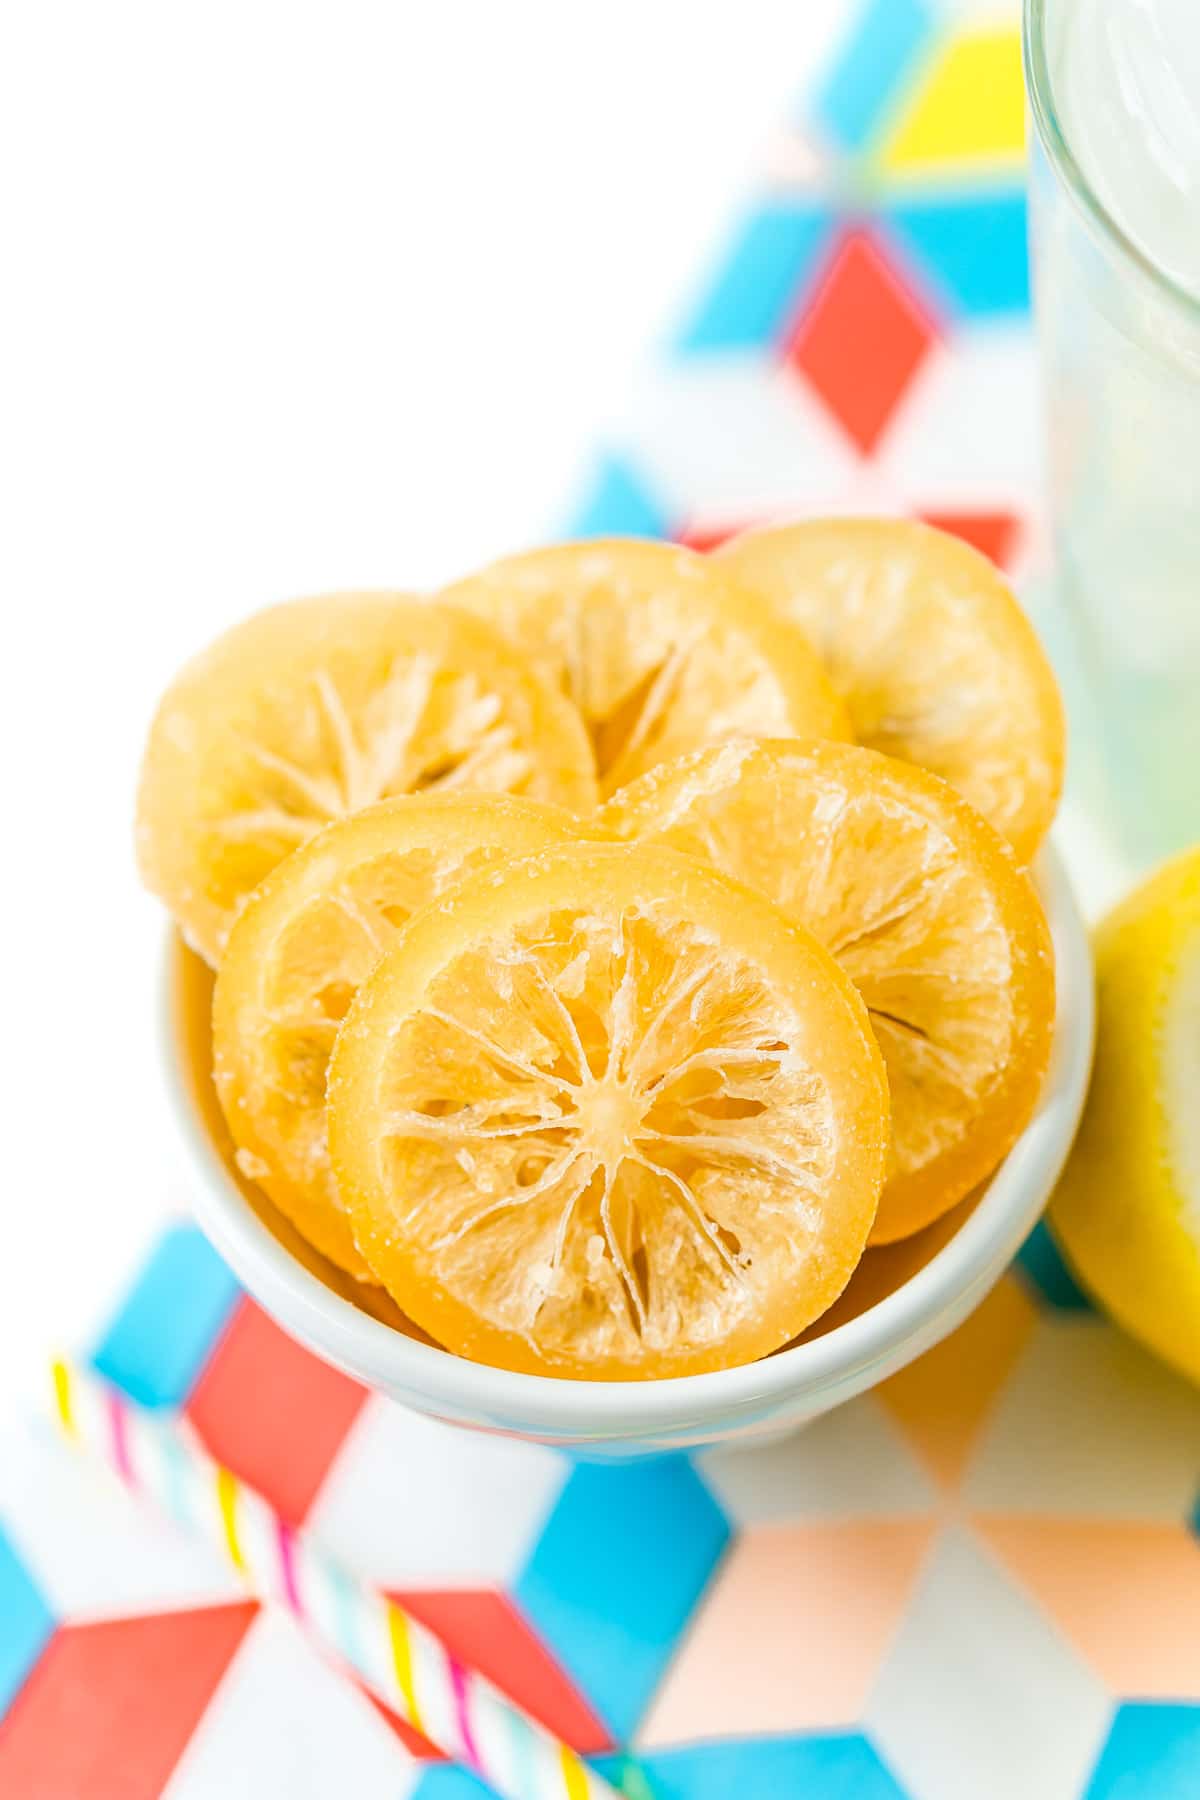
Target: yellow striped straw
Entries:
(454, 1706)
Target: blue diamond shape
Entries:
(1043, 1268)
(616, 1574)
(759, 280)
(445, 1782)
(971, 250)
(168, 1324)
(1152, 1753)
(26, 1623)
(845, 1767)
(617, 503)
(872, 69)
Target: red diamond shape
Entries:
(417, 1746)
(995, 534)
(109, 1707)
(710, 537)
(485, 1631)
(861, 338)
(273, 1413)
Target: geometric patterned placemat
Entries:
(862, 342)
(980, 1581)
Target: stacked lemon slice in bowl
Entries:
(611, 948)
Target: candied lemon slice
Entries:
(608, 1114)
(926, 910)
(660, 649)
(931, 653)
(310, 934)
(313, 709)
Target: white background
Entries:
(291, 297)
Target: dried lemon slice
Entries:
(608, 1114)
(660, 649)
(926, 910)
(931, 653)
(310, 934)
(313, 709)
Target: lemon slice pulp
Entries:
(311, 710)
(659, 648)
(608, 1115)
(311, 933)
(931, 653)
(924, 907)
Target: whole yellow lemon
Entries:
(1127, 1211)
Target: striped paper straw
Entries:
(402, 1662)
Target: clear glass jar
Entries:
(1120, 344)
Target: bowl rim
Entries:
(844, 1360)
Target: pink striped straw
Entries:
(400, 1660)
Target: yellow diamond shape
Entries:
(970, 107)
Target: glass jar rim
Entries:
(1062, 160)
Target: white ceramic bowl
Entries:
(902, 1300)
